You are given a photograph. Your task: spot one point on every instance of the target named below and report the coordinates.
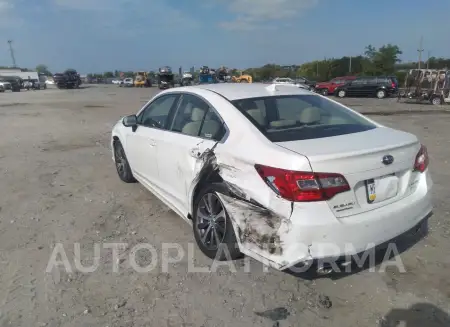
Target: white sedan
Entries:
(274, 172)
(289, 81)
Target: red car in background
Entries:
(326, 88)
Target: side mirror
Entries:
(129, 121)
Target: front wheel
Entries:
(324, 92)
(213, 229)
(122, 165)
(341, 93)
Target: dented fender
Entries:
(260, 218)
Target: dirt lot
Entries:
(59, 185)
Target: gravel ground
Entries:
(59, 186)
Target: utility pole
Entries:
(350, 65)
(11, 50)
(420, 50)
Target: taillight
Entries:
(300, 186)
(422, 159)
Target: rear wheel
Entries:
(213, 229)
(122, 165)
(341, 93)
(436, 100)
(381, 94)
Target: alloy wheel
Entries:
(120, 160)
(381, 94)
(436, 101)
(211, 221)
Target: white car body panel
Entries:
(269, 228)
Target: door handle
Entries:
(152, 142)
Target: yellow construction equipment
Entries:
(242, 78)
(141, 80)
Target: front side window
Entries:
(157, 112)
(301, 117)
(195, 117)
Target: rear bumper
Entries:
(313, 232)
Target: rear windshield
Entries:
(300, 117)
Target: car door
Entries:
(370, 87)
(353, 88)
(143, 143)
(196, 126)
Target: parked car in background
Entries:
(369, 86)
(116, 81)
(326, 88)
(290, 81)
(305, 81)
(15, 81)
(128, 82)
(283, 80)
(34, 84)
(4, 85)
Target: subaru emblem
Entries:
(388, 159)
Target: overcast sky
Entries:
(102, 35)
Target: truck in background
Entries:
(69, 79)
(28, 78)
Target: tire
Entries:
(381, 94)
(436, 100)
(223, 230)
(122, 166)
(341, 93)
(324, 92)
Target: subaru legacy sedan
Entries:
(274, 172)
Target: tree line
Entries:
(384, 60)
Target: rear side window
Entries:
(301, 117)
(382, 80)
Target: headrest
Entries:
(197, 114)
(309, 115)
(257, 115)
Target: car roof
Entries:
(236, 91)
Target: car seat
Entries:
(310, 116)
(251, 108)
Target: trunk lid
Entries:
(359, 158)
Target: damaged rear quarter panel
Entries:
(261, 219)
